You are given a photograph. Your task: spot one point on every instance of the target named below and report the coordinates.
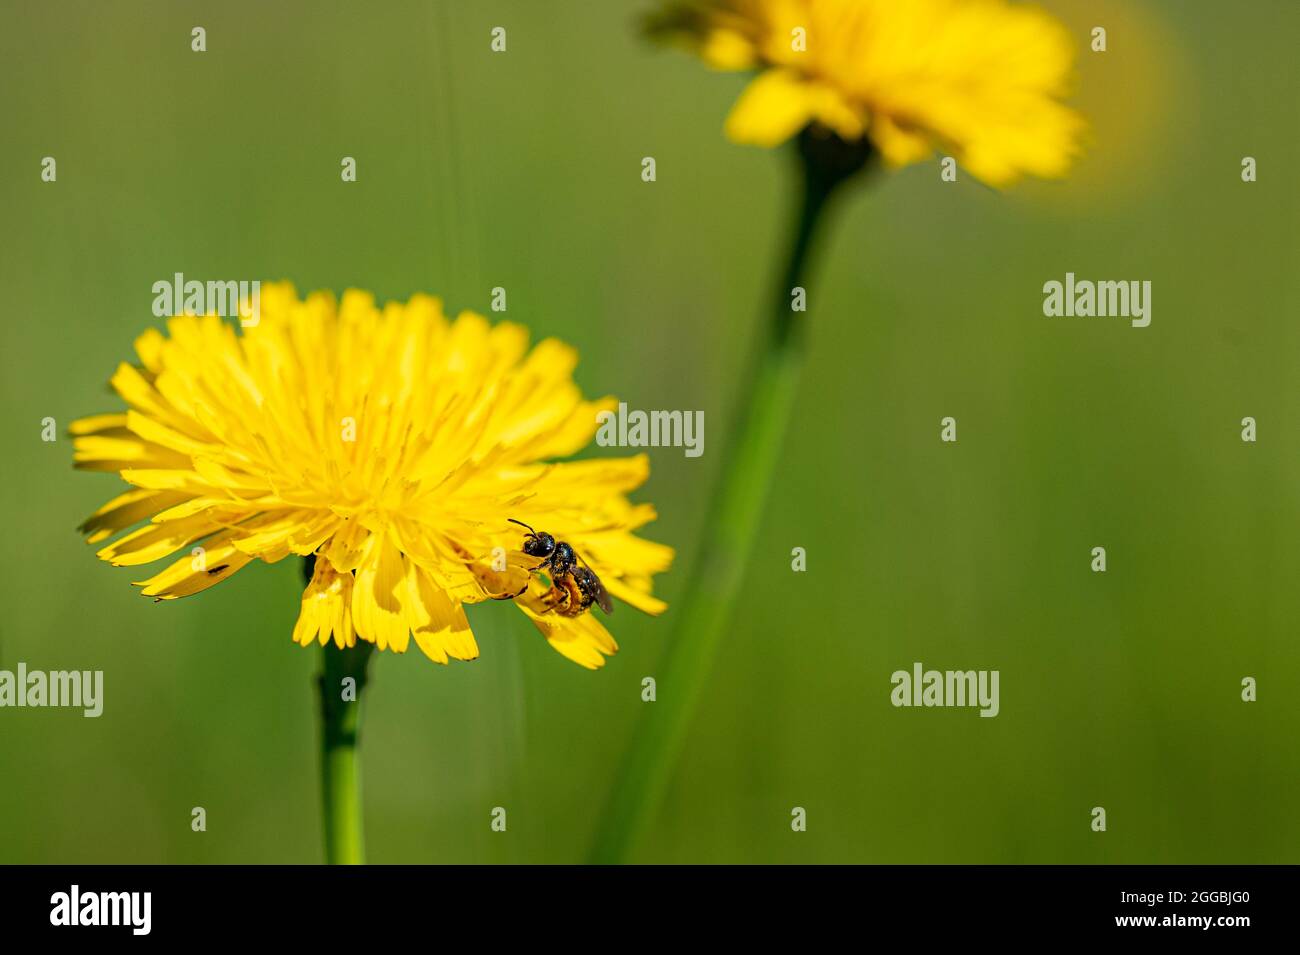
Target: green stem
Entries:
(340, 722)
(732, 522)
(340, 709)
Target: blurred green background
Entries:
(522, 170)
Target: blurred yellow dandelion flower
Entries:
(979, 79)
(391, 444)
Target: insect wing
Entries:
(601, 594)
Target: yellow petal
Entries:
(438, 623)
(126, 509)
(634, 597)
(98, 424)
(157, 540)
(194, 573)
(324, 612)
(583, 639)
(378, 595)
(771, 109)
(727, 50)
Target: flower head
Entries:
(980, 79)
(391, 444)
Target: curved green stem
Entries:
(732, 522)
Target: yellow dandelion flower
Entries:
(979, 79)
(389, 443)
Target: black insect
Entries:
(557, 556)
(574, 585)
